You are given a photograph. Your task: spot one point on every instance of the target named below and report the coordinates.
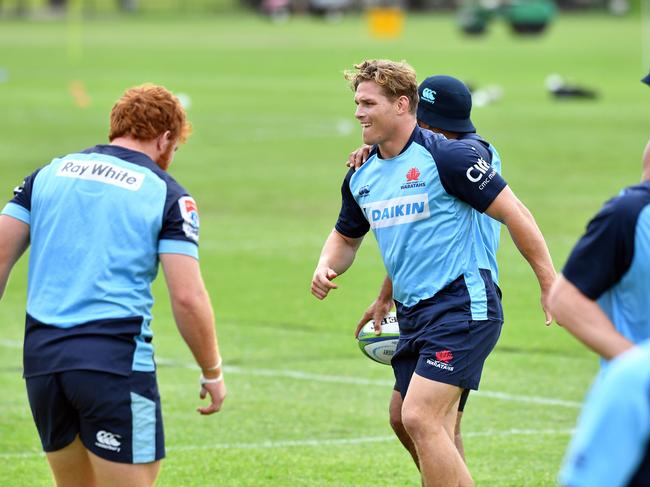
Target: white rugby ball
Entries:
(380, 348)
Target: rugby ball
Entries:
(380, 348)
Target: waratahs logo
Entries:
(429, 95)
(442, 360)
(413, 174)
(413, 179)
(364, 191)
(444, 356)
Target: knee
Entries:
(395, 419)
(413, 422)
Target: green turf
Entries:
(273, 125)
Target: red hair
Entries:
(146, 112)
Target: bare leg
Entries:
(429, 414)
(130, 475)
(71, 465)
(458, 439)
(395, 411)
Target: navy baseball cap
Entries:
(646, 80)
(445, 103)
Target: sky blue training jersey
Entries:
(611, 262)
(489, 229)
(610, 445)
(420, 206)
(98, 220)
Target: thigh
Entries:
(435, 403)
(71, 466)
(56, 419)
(130, 475)
(119, 416)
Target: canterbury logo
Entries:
(108, 441)
(429, 95)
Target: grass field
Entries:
(273, 125)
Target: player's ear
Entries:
(402, 105)
(163, 141)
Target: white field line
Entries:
(11, 343)
(315, 442)
(342, 379)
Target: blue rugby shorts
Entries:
(451, 353)
(118, 418)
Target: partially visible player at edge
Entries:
(609, 315)
(98, 222)
(602, 298)
(444, 107)
(414, 186)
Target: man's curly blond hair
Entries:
(395, 78)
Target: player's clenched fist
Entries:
(321, 283)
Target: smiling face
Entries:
(377, 113)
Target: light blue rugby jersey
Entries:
(98, 220)
(610, 447)
(489, 229)
(420, 206)
(611, 262)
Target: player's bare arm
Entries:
(529, 240)
(379, 308)
(14, 240)
(195, 320)
(336, 257)
(585, 319)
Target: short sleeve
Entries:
(604, 253)
(180, 228)
(465, 174)
(20, 206)
(352, 222)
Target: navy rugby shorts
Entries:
(118, 418)
(452, 353)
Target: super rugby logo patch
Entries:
(397, 211)
(190, 215)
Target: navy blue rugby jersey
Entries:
(98, 220)
(420, 206)
(611, 262)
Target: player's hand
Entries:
(321, 282)
(217, 394)
(376, 311)
(545, 308)
(358, 157)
